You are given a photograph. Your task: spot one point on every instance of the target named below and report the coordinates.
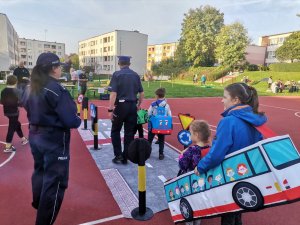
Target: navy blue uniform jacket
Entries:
(53, 107)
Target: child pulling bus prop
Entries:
(233, 178)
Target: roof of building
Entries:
(279, 34)
(136, 31)
(20, 39)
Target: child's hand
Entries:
(196, 171)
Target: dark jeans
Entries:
(232, 219)
(50, 150)
(13, 126)
(83, 89)
(161, 141)
(139, 128)
(124, 113)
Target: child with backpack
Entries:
(159, 107)
(188, 160)
(10, 102)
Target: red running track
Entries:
(88, 198)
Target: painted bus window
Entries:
(257, 161)
(214, 177)
(236, 168)
(184, 186)
(281, 152)
(172, 192)
(198, 183)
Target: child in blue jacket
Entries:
(235, 131)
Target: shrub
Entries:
(252, 67)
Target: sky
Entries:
(70, 21)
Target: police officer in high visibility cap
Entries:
(125, 85)
(51, 113)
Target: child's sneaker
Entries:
(10, 149)
(161, 156)
(24, 141)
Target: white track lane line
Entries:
(6, 161)
(297, 114)
(103, 220)
(6, 125)
(276, 107)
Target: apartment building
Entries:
(157, 53)
(272, 42)
(9, 54)
(256, 54)
(30, 49)
(101, 52)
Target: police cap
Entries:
(125, 59)
(48, 59)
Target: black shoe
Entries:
(161, 156)
(124, 161)
(157, 142)
(117, 159)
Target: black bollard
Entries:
(138, 152)
(94, 118)
(85, 106)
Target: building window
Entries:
(108, 49)
(111, 48)
(105, 49)
(46, 46)
(105, 40)
(53, 46)
(30, 63)
(23, 56)
(108, 39)
(58, 47)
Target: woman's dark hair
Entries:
(246, 94)
(39, 78)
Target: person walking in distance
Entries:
(22, 75)
(51, 112)
(125, 85)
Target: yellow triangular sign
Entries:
(185, 120)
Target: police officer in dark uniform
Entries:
(51, 113)
(125, 85)
(23, 76)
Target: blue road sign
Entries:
(93, 110)
(184, 137)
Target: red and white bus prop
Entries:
(262, 175)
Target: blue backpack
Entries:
(160, 123)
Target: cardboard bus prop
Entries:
(262, 175)
(160, 123)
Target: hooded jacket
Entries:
(162, 103)
(234, 132)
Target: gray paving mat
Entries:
(156, 170)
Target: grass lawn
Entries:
(186, 88)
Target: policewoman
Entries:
(125, 85)
(51, 113)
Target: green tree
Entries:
(231, 44)
(198, 34)
(290, 50)
(74, 60)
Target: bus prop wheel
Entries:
(247, 196)
(186, 209)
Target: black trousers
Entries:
(83, 89)
(50, 151)
(232, 219)
(161, 141)
(13, 126)
(124, 113)
(139, 128)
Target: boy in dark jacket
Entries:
(10, 102)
